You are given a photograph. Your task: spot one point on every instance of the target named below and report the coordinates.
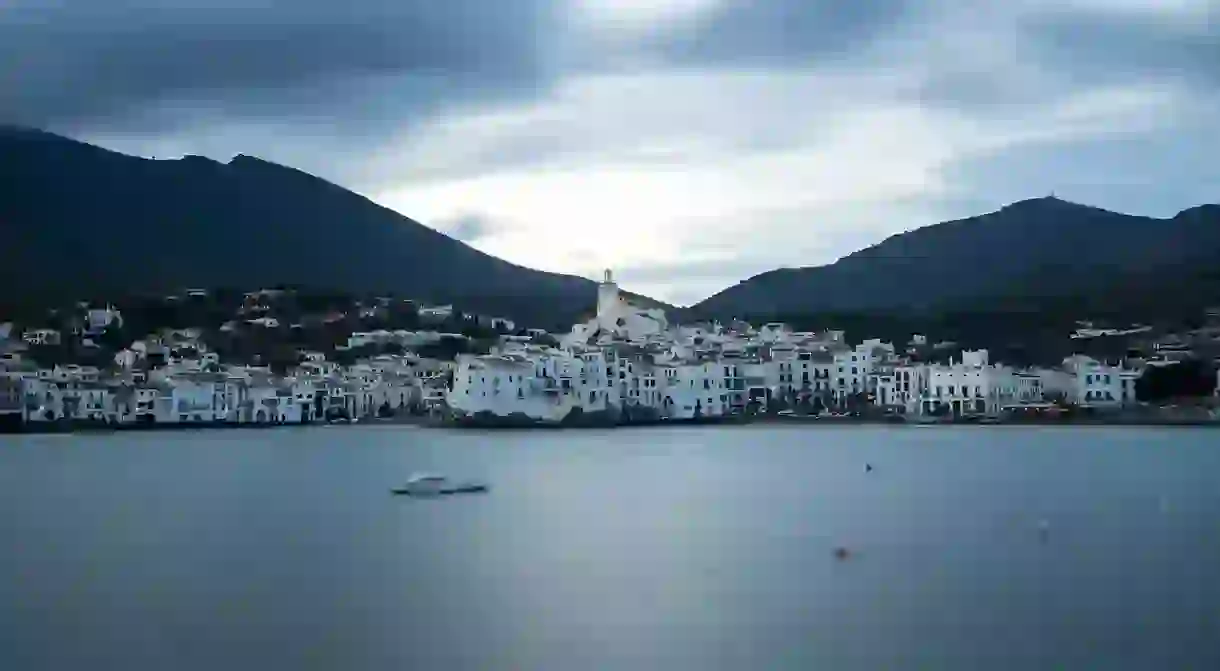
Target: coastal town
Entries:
(625, 364)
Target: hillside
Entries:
(81, 221)
(1033, 253)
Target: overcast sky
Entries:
(687, 144)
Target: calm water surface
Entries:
(677, 548)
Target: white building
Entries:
(901, 386)
(545, 385)
(625, 361)
(618, 319)
(971, 386)
(41, 337)
(435, 314)
(1101, 385)
(98, 319)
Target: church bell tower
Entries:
(607, 294)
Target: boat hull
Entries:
(433, 492)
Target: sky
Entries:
(687, 144)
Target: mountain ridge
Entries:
(82, 219)
(1058, 247)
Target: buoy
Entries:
(842, 553)
(868, 468)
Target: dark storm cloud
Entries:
(1097, 46)
(82, 62)
(1068, 50)
(91, 63)
(783, 32)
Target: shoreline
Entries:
(93, 427)
(432, 422)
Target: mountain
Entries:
(1033, 253)
(82, 221)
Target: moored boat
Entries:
(428, 484)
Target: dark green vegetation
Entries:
(84, 222)
(1192, 378)
(300, 321)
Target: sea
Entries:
(757, 547)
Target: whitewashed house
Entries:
(43, 400)
(435, 314)
(695, 390)
(900, 385)
(1100, 385)
(98, 319)
(41, 337)
(971, 386)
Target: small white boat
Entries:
(430, 484)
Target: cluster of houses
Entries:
(172, 379)
(630, 359)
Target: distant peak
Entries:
(1208, 210)
(248, 161)
(1045, 201)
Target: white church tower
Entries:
(607, 296)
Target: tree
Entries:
(805, 399)
(393, 348)
(1192, 378)
(347, 357)
(545, 340)
(114, 337)
(49, 356)
(446, 349)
